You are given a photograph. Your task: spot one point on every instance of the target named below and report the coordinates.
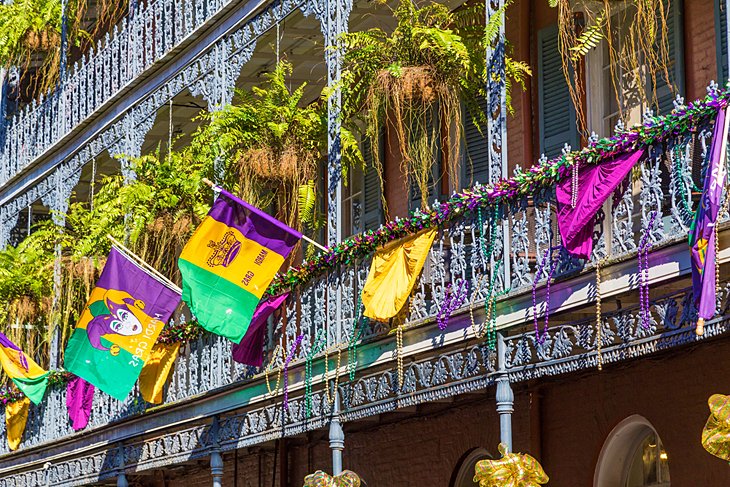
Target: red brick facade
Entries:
(564, 422)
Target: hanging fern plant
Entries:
(274, 145)
(414, 80)
(31, 35)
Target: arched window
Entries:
(633, 456)
(464, 474)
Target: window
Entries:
(650, 463)
(362, 205)
(557, 115)
(475, 151)
(605, 107)
(464, 473)
(633, 456)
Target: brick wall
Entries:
(699, 46)
(564, 422)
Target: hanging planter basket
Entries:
(414, 84)
(44, 40)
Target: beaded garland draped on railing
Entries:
(145, 37)
(662, 184)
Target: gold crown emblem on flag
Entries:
(225, 251)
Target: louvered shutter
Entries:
(721, 41)
(557, 113)
(475, 166)
(664, 94)
(372, 201)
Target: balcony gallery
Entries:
(290, 242)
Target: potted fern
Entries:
(414, 80)
(32, 34)
(274, 146)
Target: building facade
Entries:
(621, 404)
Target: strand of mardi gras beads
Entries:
(286, 370)
(399, 344)
(317, 347)
(723, 209)
(489, 327)
(491, 314)
(355, 338)
(574, 185)
(540, 337)
(479, 335)
(452, 301)
(267, 369)
(643, 256)
(331, 398)
(599, 321)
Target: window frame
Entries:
(618, 450)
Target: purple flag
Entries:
(79, 399)
(119, 326)
(595, 185)
(229, 262)
(250, 350)
(702, 232)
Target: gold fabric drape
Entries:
(154, 374)
(16, 415)
(393, 274)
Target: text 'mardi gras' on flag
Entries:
(229, 263)
(123, 317)
(30, 377)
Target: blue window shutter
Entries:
(721, 41)
(372, 201)
(675, 38)
(475, 165)
(557, 113)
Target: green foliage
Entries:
(417, 77)
(31, 31)
(589, 38)
(273, 146)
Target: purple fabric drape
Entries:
(79, 399)
(250, 350)
(595, 185)
(702, 233)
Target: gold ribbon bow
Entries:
(716, 434)
(322, 479)
(512, 470)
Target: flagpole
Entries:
(215, 187)
(144, 264)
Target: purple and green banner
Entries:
(229, 263)
(120, 324)
(30, 377)
(702, 232)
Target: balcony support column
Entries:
(216, 460)
(122, 480)
(337, 437)
(216, 468)
(57, 202)
(505, 396)
(497, 136)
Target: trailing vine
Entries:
(635, 33)
(31, 40)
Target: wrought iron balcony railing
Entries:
(655, 205)
(152, 32)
